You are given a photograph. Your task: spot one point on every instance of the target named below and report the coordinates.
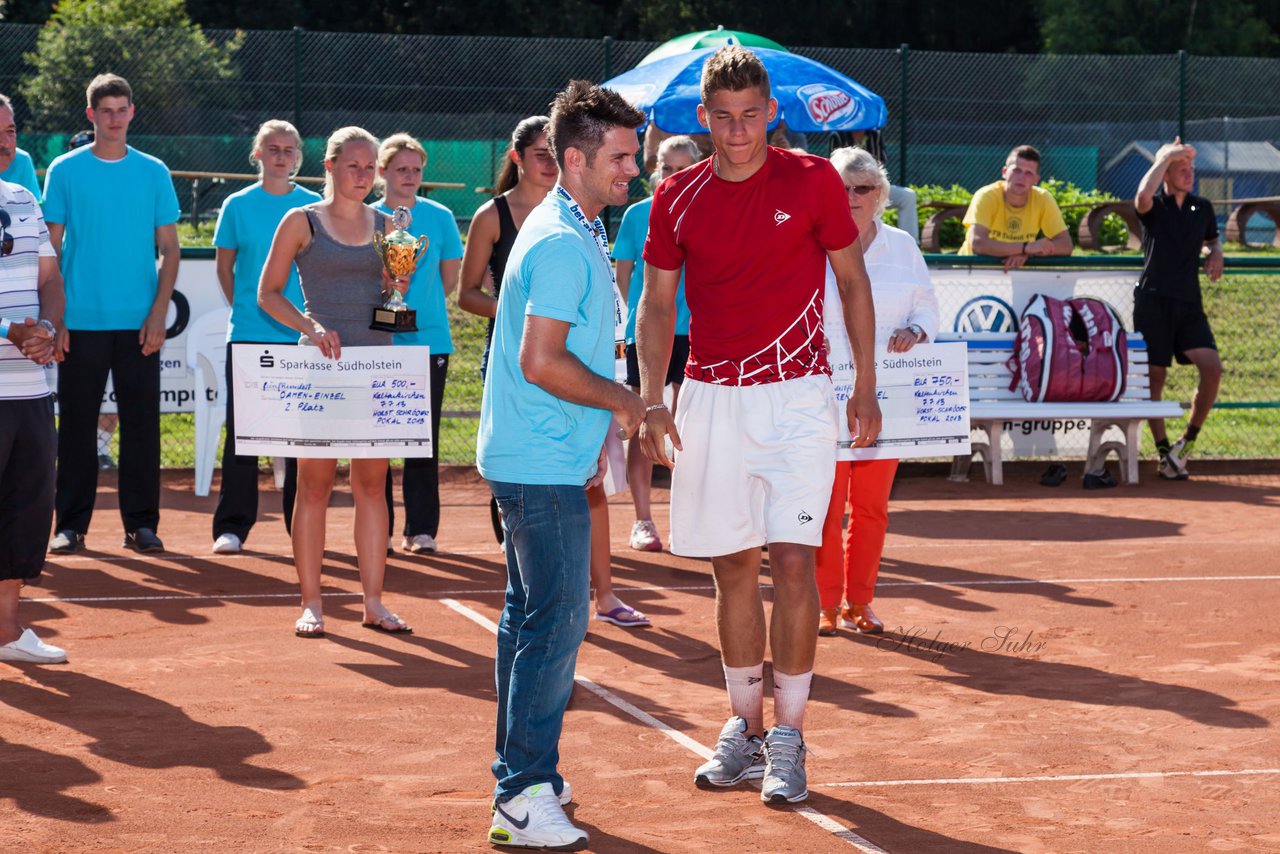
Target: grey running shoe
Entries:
(784, 778)
(738, 757)
(66, 542)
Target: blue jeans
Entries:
(548, 531)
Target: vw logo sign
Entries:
(986, 314)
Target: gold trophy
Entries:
(400, 252)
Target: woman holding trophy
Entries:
(342, 282)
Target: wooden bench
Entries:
(991, 404)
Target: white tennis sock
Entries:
(746, 695)
(790, 693)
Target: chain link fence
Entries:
(952, 118)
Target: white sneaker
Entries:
(535, 819)
(1178, 458)
(30, 648)
(390, 547)
(644, 536)
(566, 795)
(227, 544)
(419, 544)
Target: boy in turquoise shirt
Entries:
(109, 209)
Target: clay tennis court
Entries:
(1064, 671)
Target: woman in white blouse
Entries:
(906, 315)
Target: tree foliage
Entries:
(1206, 27)
(153, 43)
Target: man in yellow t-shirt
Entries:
(1005, 219)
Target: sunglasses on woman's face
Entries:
(862, 189)
(6, 239)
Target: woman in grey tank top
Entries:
(342, 282)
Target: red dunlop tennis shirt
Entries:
(754, 257)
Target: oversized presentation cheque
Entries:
(924, 402)
(293, 402)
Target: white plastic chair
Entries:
(207, 360)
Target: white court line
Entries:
(496, 555)
(1130, 580)
(660, 588)
(1058, 778)
(171, 598)
(825, 822)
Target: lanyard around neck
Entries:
(597, 232)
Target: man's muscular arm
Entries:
(860, 321)
(546, 362)
(655, 332)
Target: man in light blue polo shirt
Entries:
(109, 208)
(548, 396)
(22, 171)
(401, 159)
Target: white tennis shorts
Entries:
(757, 466)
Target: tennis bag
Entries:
(1073, 349)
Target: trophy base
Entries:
(387, 320)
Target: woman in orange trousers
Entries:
(906, 315)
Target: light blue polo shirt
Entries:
(22, 171)
(111, 210)
(528, 435)
(426, 288)
(629, 246)
(247, 223)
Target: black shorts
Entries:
(675, 368)
(28, 447)
(1171, 327)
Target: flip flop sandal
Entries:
(379, 625)
(309, 625)
(628, 618)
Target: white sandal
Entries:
(309, 625)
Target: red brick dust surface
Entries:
(1063, 671)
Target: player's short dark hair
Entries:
(734, 68)
(582, 114)
(107, 86)
(1024, 152)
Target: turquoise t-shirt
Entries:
(22, 171)
(111, 210)
(629, 246)
(528, 435)
(426, 288)
(247, 223)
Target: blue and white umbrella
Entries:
(811, 96)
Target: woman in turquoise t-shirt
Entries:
(242, 239)
(401, 160)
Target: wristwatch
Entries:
(917, 329)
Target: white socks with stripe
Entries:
(746, 695)
(790, 694)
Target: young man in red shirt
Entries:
(753, 228)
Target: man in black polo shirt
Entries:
(1167, 310)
